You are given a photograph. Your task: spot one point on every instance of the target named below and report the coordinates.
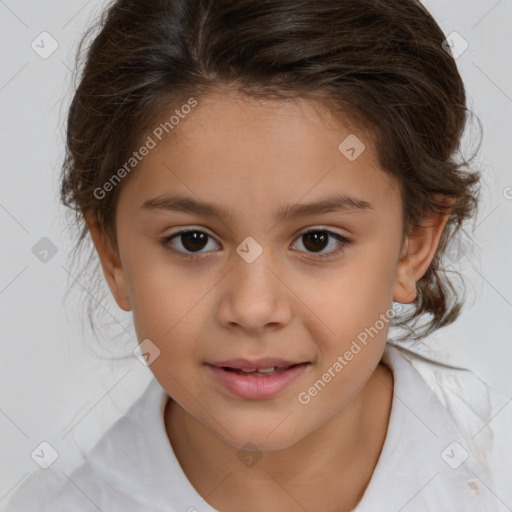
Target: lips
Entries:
(251, 365)
(272, 370)
(257, 378)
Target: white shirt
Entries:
(448, 442)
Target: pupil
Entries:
(314, 241)
(193, 240)
(318, 238)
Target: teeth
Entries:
(267, 370)
(260, 371)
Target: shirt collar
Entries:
(424, 464)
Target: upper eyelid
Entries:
(319, 227)
(342, 239)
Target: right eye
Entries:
(192, 240)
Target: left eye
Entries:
(316, 240)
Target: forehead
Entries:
(246, 153)
(228, 118)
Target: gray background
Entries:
(57, 385)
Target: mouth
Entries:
(261, 372)
(258, 381)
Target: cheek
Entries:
(162, 296)
(335, 385)
(169, 308)
(348, 300)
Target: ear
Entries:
(110, 263)
(418, 251)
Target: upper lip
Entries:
(254, 364)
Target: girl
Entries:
(269, 186)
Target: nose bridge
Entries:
(252, 275)
(255, 296)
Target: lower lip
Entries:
(254, 387)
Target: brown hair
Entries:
(382, 61)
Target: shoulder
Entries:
(107, 480)
(481, 413)
(474, 404)
(47, 488)
(83, 490)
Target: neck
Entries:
(340, 455)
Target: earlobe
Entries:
(418, 252)
(110, 263)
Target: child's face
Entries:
(250, 159)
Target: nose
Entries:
(255, 296)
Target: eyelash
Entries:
(343, 242)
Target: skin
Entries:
(250, 157)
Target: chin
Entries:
(260, 437)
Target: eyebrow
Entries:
(339, 202)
